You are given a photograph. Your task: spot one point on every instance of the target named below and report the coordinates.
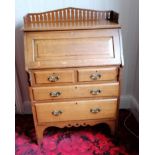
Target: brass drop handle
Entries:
(55, 94)
(53, 78)
(56, 112)
(95, 76)
(96, 110)
(95, 91)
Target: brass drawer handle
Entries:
(95, 91)
(55, 93)
(96, 110)
(95, 76)
(53, 78)
(56, 112)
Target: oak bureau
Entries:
(73, 58)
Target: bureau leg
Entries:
(112, 125)
(38, 128)
(40, 133)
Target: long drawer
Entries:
(76, 110)
(76, 91)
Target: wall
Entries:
(128, 19)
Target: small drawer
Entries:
(50, 93)
(98, 74)
(76, 91)
(54, 76)
(76, 110)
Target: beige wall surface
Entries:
(129, 20)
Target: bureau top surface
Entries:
(70, 18)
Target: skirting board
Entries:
(127, 102)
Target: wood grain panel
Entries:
(73, 48)
(78, 48)
(71, 110)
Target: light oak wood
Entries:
(41, 128)
(107, 110)
(119, 97)
(70, 14)
(43, 77)
(77, 47)
(109, 72)
(56, 49)
(79, 25)
(70, 18)
(73, 57)
(76, 91)
(105, 74)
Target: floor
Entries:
(126, 140)
(125, 137)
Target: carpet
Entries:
(88, 140)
